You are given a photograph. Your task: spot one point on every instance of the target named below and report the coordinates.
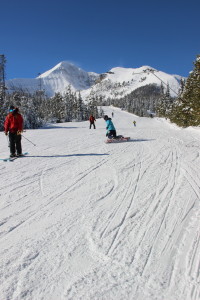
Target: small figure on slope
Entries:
(14, 125)
(92, 120)
(134, 122)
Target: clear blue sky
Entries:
(98, 35)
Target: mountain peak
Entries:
(63, 65)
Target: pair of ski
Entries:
(119, 139)
(13, 158)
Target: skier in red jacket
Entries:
(92, 120)
(14, 126)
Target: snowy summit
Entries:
(65, 74)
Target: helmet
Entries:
(105, 117)
(11, 108)
(15, 111)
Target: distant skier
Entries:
(112, 114)
(92, 120)
(14, 125)
(134, 122)
(111, 131)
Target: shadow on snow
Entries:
(58, 127)
(141, 140)
(67, 155)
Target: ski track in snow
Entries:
(81, 219)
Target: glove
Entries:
(6, 133)
(19, 132)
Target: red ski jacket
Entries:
(13, 123)
(92, 119)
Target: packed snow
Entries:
(82, 219)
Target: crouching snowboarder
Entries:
(111, 131)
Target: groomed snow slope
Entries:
(81, 219)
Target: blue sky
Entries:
(99, 35)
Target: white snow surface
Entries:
(81, 219)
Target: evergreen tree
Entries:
(186, 111)
(68, 104)
(57, 108)
(80, 111)
(182, 85)
(92, 104)
(165, 103)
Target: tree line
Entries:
(38, 109)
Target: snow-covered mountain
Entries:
(119, 82)
(56, 80)
(115, 83)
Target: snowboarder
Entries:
(14, 126)
(92, 120)
(134, 122)
(111, 131)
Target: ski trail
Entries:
(171, 191)
(120, 226)
(52, 199)
(123, 224)
(152, 231)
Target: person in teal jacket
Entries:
(111, 131)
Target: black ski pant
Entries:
(111, 134)
(15, 143)
(92, 123)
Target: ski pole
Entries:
(8, 141)
(28, 140)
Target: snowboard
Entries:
(119, 139)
